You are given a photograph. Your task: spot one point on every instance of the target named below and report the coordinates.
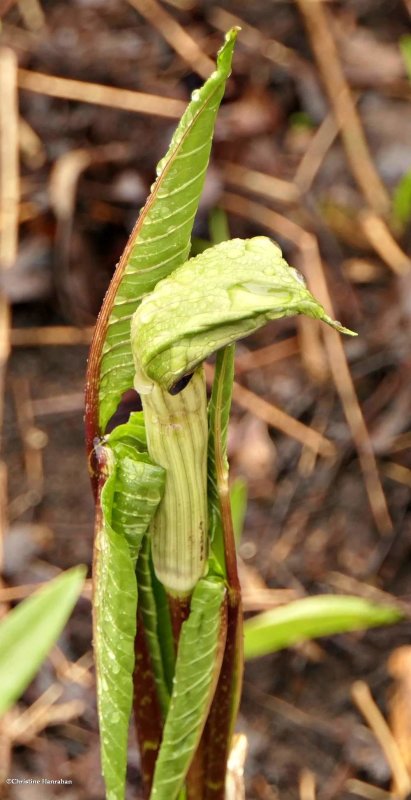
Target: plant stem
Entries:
(147, 712)
(223, 712)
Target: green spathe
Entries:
(220, 296)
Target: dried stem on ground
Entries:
(277, 418)
(175, 35)
(365, 703)
(319, 27)
(253, 39)
(9, 227)
(100, 95)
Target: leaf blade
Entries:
(129, 498)
(33, 627)
(202, 634)
(153, 250)
(217, 467)
(324, 615)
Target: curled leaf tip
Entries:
(212, 300)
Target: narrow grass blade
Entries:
(238, 501)
(198, 664)
(401, 200)
(129, 499)
(324, 615)
(217, 468)
(29, 631)
(218, 420)
(405, 47)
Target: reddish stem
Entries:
(179, 611)
(147, 712)
(223, 713)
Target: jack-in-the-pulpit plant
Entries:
(167, 605)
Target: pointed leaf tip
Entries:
(312, 617)
(232, 34)
(32, 628)
(338, 327)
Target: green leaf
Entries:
(129, 498)
(133, 432)
(198, 664)
(231, 289)
(324, 615)
(405, 47)
(218, 226)
(29, 631)
(238, 500)
(217, 467)
(160, 241)
(401, 201)
(218, 418)
(159, 648)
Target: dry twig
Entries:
(9, 224)
(100, 95)
(307, 785)
(277, 418)
(313, 157)
(51, 335)
(251, 37)
(265, 356)
(366, 790)
(397, 472)
(33, 439)
(175, 35)
(253, 181)
(371, 713)
(32, 14)
(382, 241)
(319, 28)
(234, 789)
(9, 158)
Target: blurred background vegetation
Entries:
(313, 147)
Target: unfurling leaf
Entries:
(161, 239)
(129, 499)
(159, 243)
(199, 656)
(230, 290)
